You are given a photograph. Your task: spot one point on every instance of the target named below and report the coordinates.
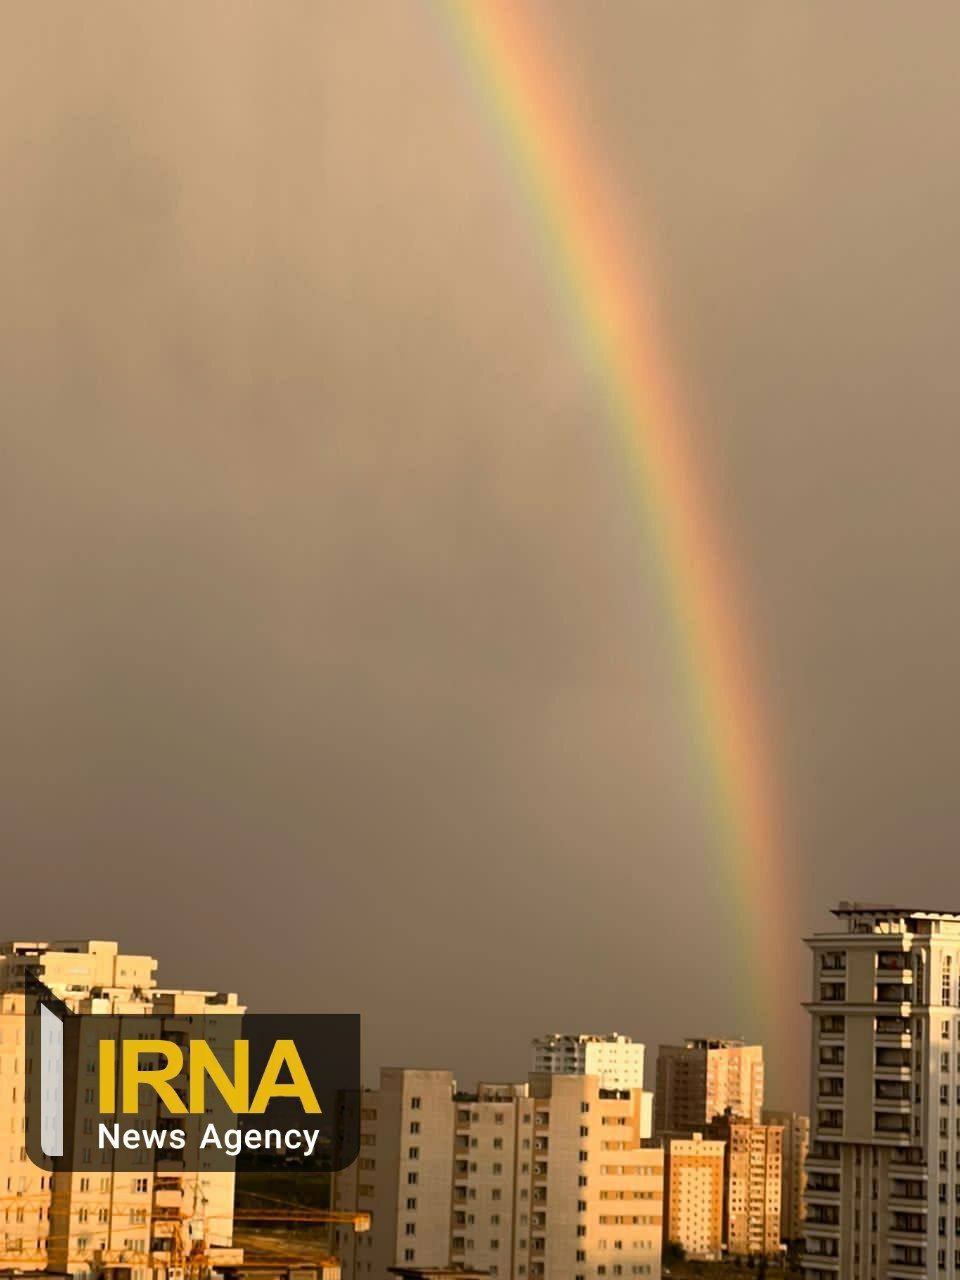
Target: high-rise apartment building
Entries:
(752, 1176)
(694, 1181)
(615, 1059)
(98, 1219)
(793, 1183)
(703, 1079)
(402, 1175)
(883, 1192)
(542, 1181)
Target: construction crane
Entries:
(196, 1261)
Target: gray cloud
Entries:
(327, 607)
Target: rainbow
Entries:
(609, 303)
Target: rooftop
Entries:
(886, 911)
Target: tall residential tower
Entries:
(883, 1192)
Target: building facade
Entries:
(752, 1179)
(883, 1192)
(793, 1183)
(617, 1060)
(547, 1180)
(694, 1180)
(703, 1079)
(99, 1219)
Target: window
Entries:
(410, 1229)
(413, 1153)
(946, 979)
(414, 1126)
(414, 1104)
(411, 1202)
(412, 1179)
(408, 1255)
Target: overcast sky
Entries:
(334, 667)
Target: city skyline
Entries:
(324, 571)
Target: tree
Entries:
(674, 1252)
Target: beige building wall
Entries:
(543, 1181)
(97, 1216)
(754, 1155)
(796, 1145)
(693, 1195)
(402, 1176)
(24, 1189)
(702, 1079)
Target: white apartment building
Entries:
(541, 1181)
(97, 1218)
(615, 1059)
(883, 1191)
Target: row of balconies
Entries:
(886, 991)
(886, 961)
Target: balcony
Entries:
(892, 1031)
(833, 992)
(890, 992)
(825, 1232)
(906, 1191)
(908, 1224)
(892, 1063)
(167, 1198)
(824, 1192)
(891, 1091)
(829, 1121)
(890, 1125)
(167, 1213)
(823, 1215)
(822, 1251)
(818, 1268)
(912, 1159)
(907, 1260)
